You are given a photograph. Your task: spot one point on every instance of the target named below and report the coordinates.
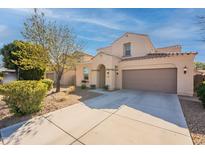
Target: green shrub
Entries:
(106, 87)
(24, 97)
(201, 93)
(84, 81)
(92, 86)
(49, 83)
(1, 80)
(1, 74)
(31, 74)
(83, 86)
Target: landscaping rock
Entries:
(194, 114)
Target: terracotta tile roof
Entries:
(201, 71)
(173, 48)
(105, 54)
(84, 53)
(159, 55)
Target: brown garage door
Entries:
(163, 80)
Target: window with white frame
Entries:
(127, 49)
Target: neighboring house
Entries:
(132, 62)
(8, 75)
(69, 76)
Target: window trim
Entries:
(86, 74)
(125, 51)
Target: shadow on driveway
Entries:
(161, 105)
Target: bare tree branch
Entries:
(57, 40)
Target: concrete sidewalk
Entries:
(121, 117)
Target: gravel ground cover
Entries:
(195, 118)
(53, 101)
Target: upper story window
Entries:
(85, 73)
(127, 49)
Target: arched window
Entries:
(85, 73)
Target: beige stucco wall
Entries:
(108, 61)
(79, 73)
(68, 77)
(140, 45)
(184, 81)
(105, 50)
(50, 75)
(86, 58)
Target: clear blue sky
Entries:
(99, 27)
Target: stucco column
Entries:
(119, 81)
(94, 77)
(185, 81)
(110, 78)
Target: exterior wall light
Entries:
(185, 69)
(117, 73)
(107, 72)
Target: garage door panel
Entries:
(163, 80)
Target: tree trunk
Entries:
(58, 86)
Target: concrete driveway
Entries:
(120, 117)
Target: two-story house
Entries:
(132, 62)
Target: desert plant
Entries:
(1, 74)
(83, 86)
(106, 87)
(24, 97)
(31, 74)
(201, 93)
(92, 86)
(1, 79)
(48, 82)
(71, 89)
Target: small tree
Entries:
(28, 59)
(8, 57)
(57, 40)
(31, 60)
(200, 65)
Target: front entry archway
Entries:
(101, 76)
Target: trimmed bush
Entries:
(1, 74)
(32, 74)
(201, 93)
(1, 79)
(48, 82)
(84, 81)
(92, 86)
(106, 87)
(24, 97)
(83, 86)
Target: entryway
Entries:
(101, 76)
